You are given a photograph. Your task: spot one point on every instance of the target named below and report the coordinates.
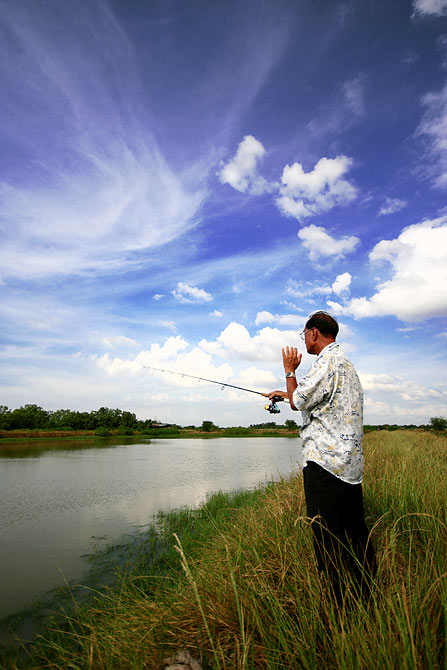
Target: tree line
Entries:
(33, 417)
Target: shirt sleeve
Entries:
(313, 387)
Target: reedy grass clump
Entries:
(246, 593)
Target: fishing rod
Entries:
(272, 407)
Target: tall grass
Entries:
(246, 594)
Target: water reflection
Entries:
(59, 503)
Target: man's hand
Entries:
(278, 394)
(291, 359)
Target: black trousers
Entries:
(342, 547)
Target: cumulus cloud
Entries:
(300, 194)
(188, 294)
(306, 194)
(241, 171)
(235, 342)
(392, 205)
(431, 7)
(433, 127)
(342, 283)
(416, 288)
(171, 356)
(319, 243)
(216, 313)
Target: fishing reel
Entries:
(273, 408)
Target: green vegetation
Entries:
(33, 417)
(438, 423)
(104, 422)
(237, 582)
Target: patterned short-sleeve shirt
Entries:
(330, 398)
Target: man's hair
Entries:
(323, 322)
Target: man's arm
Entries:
(291, 360)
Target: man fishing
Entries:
(330, 398)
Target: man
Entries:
(330, 398)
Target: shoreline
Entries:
(243, 590)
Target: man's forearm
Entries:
(291, 387)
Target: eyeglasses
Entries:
(303, 333)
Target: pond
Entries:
(61, 500)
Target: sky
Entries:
(182, 182)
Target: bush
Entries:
(101, 431)
(208, 426)
(438, 423)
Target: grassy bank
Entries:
(170, 432)
(239, 586)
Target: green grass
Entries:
(237, 583)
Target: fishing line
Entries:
(272, 407)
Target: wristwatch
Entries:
(290, 374)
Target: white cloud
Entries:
(320, 243)
(216, 313)
(301, 194)
(241, 171)
(416, 289)
(157, 296)
(342, 283)
(280, 319)
(168, 324)
(434, 127)
(404, 388)
(187, 294)
(306, 194)
(171, 357)
(120, 204)
(392, 205)
(307, 289)
(235, 342)
(432, 7)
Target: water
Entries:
(60, 502)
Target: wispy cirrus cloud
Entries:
(280, 319)
(433, 128)
(188, 294)
(97, 187)
(391, 206)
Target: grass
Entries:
(15, 436)
(236, 583)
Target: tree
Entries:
(438, 423)
(29, 416)
(291, 424)
(208, 426)
(5, 417)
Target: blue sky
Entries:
(183, 182)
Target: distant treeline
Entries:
(33, 417)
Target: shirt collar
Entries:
(328, 348)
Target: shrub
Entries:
(438, 423)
